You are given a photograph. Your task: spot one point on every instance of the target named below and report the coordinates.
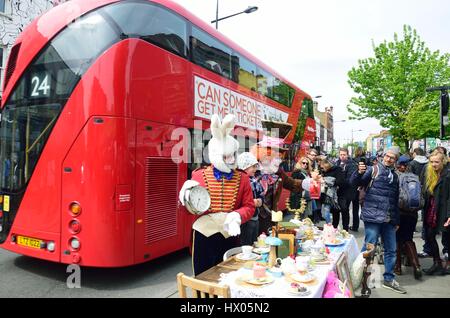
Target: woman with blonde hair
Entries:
(302, 170)
(436, 190)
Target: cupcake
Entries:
(259, 271)
(297, 288)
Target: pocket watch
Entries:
(197, 200)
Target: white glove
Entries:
(306, 183)
(189, 184)
(232, 224)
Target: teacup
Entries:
(301, 263)
(247, 250)
(302, 268)
(315, 251)
(276, 271)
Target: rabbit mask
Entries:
(222, 148)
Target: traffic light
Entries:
(445, 129)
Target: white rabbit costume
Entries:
(232, 203)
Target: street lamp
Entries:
(216, 21)
(353, 130)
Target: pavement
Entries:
(427, 287)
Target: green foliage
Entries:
(423, 118)
(391, 85)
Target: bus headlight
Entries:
(51, 246)
(75, 243)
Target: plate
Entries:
(249, 279)
(251, 257)
(303, 278)
(304, 254)
(306, 293)
(261, 250)
(319, 258)
(339, 242)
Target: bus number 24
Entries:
(40, 87)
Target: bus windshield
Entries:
(41, 93)
(23, 133)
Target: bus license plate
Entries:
(28, 241)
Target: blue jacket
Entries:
(381, 200)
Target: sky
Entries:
(315, 43)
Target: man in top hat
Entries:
(271, 152)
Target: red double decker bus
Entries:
(95, 95)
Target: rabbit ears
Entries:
(220, 130)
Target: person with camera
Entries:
(380, 211)
(332, 177)
(346, 192)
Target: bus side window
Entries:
(152, 24)
(210, 53)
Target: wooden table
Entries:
(232, 266)
(213, 274)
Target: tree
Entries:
(423, 118)
(393, 82)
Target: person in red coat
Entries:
(218, 229)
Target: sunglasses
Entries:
(305, 163)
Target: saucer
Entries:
(261, 250)
(243, 257)
(319, 258)
(249, 279)
(338, 242)
(303, 278)
(306, 293)
(304, 254)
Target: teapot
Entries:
(306, 246)
(287, 265)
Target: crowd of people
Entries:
(390, 191)
(386, 193)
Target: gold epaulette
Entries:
(223, 192)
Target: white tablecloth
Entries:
(279, 288)
(350, 248)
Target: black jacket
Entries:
(295, 197)
(338, 174)
(347, 190)
(441, 194)
(416, 166)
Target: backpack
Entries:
(410, 197)
(363, 190)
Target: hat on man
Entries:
(403, 160)
(246, 160)
(272, 142)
